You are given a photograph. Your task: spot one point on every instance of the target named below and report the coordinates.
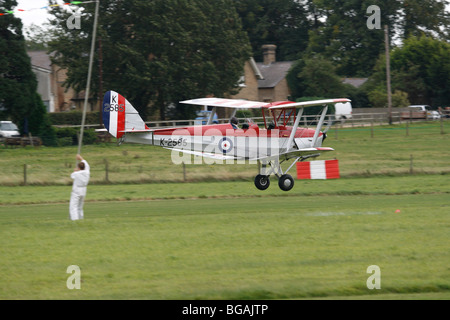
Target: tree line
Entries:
(159, 52)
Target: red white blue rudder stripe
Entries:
(119, 116)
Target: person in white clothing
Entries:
(80, 178)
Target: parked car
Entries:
(203, 116)
(8, 129)
(427, 110)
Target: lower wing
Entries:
(217, 156)
(306, 152)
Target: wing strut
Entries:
(319, 125)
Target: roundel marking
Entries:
(225, 145)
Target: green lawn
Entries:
(378, 185)
(229, 248)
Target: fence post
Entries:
(106, 170)
(411, 165)
(371, 129)
(25, 174)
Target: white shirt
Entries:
(81, 179)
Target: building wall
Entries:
(44, 88)
(266, 94)
(63, 96)
(250, 90)
(281, 91)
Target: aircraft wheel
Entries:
(262, 182)
(286, 182)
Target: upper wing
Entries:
(246, 104)
(226, 103)
(309, 103)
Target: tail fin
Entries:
(119, 116)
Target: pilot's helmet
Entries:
(234, 120)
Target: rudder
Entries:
(120, 116)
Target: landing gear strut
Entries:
(285, 181)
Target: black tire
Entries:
(262, 182)
(286, 182)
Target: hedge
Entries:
(74, 118)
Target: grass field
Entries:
(228, 240)
(197, 243)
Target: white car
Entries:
(8, 129)
(431, 114)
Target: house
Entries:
(265, 81)
(41, 66)
(51, 77)
(248, 84)
(273, 86)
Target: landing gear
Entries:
(262, 182)
(286, 182)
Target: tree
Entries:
(424, 17)
(284, 23)
(18, 83)
(421, 67)
(378, 98)
(345, 39)
(37, 37)
(315, 77)
(157, 52)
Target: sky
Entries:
(38, 17)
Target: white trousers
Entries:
(76, 206)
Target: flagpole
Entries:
(91, 59)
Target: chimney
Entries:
(269, 53)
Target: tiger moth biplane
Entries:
(281, 139)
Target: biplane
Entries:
(279, 138)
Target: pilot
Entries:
(234, 122)
(271, 126)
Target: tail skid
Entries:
(119, 116)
